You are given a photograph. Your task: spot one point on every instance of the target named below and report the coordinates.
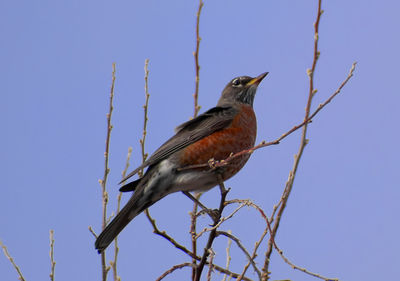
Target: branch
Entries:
(175, 267)
(193, 217)
(258, 243)
(20, 276)
(196, 60)
(228, 254)
(145, 118)
(103, 182)
(193, 232)
(113, 263)
(303, 143)
(93, 233)
(211, 254)
(186, 264)
(301, 268)
(213, 232)
(241, 247)
(168, 237)
(220, 221)
(52, 262)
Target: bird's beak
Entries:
(257, 80)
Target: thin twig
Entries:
(145, 119)
(211, 255)
(92, 231)
(228, 254)
(221, 220)
(145, 109)
(168, 237)
(254, 254)
(128, 158)
(8, 256)
(193, 217)
(193, 232)
(258, 243)
(301, 268)
(113, 263)
(172, 269)
(103, 182)
(241, 247)
(144, 154)
(196, 60)
(186, 264)
(230, 273)
(52, 262)
(303, 143)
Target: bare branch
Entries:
(258, 243)
(145, 118)
(168, 237)
(8, 256)
(172, 269)
(211, 255)
(196, 60)
(302, 268)
(52, 262)
(228, 254)
(92, 231)
(221, 220)
(103, 182)
(303, 143)
(193, 217)
(113, 263)
(241, 247)
(193, 231)
(213, 232)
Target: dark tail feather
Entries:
(133, 208)
(130, 186)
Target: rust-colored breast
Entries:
(239, 136)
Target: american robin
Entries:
(230, 127)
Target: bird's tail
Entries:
(137, 204)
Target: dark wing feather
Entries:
(215, 119)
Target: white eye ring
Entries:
(236, 82)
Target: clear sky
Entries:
(56, 56)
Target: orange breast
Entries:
(240, 135)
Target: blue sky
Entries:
(56, 57)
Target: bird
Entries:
(227, 128)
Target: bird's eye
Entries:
(236, 82)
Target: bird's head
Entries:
(241, 89)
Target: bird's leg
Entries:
(210, 212)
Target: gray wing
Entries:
(215, 119)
